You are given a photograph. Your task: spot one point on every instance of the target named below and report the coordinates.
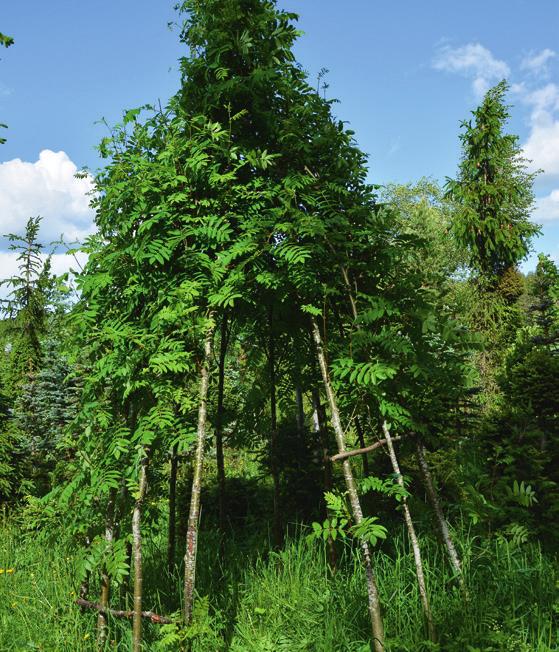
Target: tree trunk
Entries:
(105, 579)
(219, 432)
(277, 533)
(300, 412)
(441, 520)
(137, 543)
(413, 538)
(361, 439)
(372, 590)
(172, 530)
(194, 514)
(84, 585)
(320, 428)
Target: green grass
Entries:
(291, 601)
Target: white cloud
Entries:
(547, 208)
(46, 187)
(536, 63)
(542, 145)
(475, 62)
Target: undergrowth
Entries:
(290, 600)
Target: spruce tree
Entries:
(493, 190)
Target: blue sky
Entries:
(405, 74)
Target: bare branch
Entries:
(118, 613)
(361, 451)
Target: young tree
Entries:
(26, 316)
(493, 191)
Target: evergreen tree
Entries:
(493, 191)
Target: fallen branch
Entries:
(361, 451)
(117, 613)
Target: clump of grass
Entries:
(36, 611)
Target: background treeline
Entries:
(281, 408)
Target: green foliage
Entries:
(389, 487)
(291, 599)
(26, 304)
(339, 524)
(493, 191)
(244, 203)
(6, 41)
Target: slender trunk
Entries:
(372, 590)
(219, 432)
(172, 530)
(84, 585)
(320, 428)
(105, 579)
(120, 515)
(194, 514)
(441, 520)
(137, 539)
(300, 412)
(361, 439)
(350, 292)
(413, 538)
(277, 533)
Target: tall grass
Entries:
(290, 600)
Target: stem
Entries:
(194, 514)
(361, 439)
(413, 538)
(105, 579)
(172, 531)
(277, 534)
(300, 412)
(321, 429)
(441, 520)
(84, 586)
(372, 590)
(219, 431)
(137, 543)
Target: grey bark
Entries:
(194, 514)
(413, 538)
(137, 548)
(172, 529)
(372, 590)
(440, 517)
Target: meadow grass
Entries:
(290, 600)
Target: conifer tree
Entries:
(493, 190)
